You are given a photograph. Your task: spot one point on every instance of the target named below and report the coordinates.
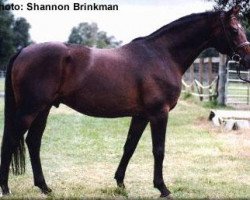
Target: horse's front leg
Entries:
(158, 125)
(137, 126)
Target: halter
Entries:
(235, 56)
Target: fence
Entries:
(201, 79)
(237, 91)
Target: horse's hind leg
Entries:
(15, 128)
(8, 144)
(33, 141)
(137, 126)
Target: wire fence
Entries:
(237, 91)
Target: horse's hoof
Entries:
(45, 189)
(5, 190)
(167, 197)
(121, 185)
(4, 194)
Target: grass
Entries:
(80, 155)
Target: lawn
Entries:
(80, 155)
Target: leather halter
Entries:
(235, 56)
(233, 50)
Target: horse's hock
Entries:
(230, 119)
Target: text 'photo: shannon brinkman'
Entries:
(62, 7)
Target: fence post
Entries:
(210, 71)
(191, 77)
(222, 80)
(248, 89)
(201, 63)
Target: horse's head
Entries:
(231, 37)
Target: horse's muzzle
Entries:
(245, 62)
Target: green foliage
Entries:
(21, 33)
(14, 35)
(186, 95)
(210, 52)
(212, 104)
(6, 36)
(89, 35)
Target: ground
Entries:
(80, 155)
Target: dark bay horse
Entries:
(141, 79)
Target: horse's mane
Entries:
(181, 22)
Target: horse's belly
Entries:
(103, 105)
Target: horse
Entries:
(141, 79)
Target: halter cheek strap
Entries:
(235, 56)
(233, 50)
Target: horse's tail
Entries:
(18, 157)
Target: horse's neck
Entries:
(184, 42)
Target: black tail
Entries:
(18, 158)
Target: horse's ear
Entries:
(234, 11)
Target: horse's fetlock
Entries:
(119, 178)
(159, 184)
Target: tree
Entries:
(89, 35)
(210, 52)
(21, 33)
(6, 36)
(14, 35)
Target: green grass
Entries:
(80, 155)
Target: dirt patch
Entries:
(237, 140)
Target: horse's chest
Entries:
(160, 93)
(172, 92)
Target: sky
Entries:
(134, 18)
